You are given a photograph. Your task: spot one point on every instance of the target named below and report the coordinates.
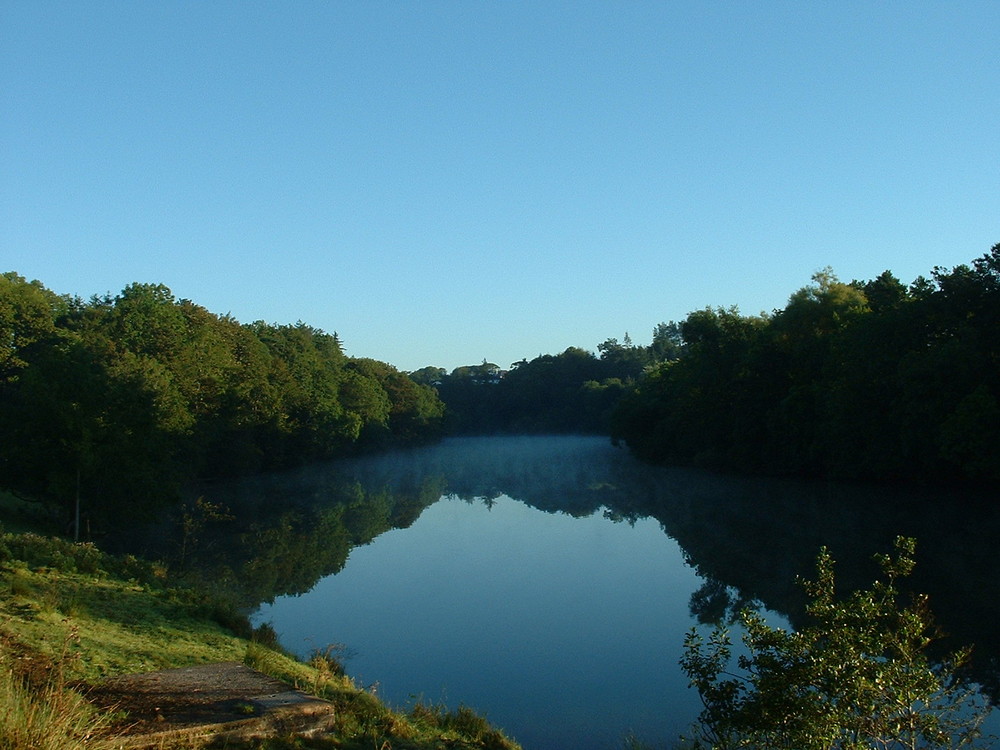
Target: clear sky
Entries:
(446, 182)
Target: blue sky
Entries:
(446, 182)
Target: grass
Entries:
(71, 615)
(47, 716)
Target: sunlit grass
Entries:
(121, 626)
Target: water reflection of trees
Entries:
(279, 534)
(748, 538)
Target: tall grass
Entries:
(48, 717)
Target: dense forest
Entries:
(109, 406)
(861, 380)
(113, 404)
(572, 392)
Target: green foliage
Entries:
(107, 407)
(27, 311)
(53, 552)
(866, 380)
(857, 677)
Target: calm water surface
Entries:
(549, 582)
(564, 631)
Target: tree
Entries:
(428, 375)
(623, 360)
(485, 373)
(668, 343)
(27, 318)
(146, 319)
(885, 292)
(414, 411)
(858, 676)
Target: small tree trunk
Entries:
(76, 514)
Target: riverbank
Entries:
(72, 616)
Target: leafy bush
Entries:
(857, 677)
(52, 552)
(37, 551)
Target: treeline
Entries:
(861, 380)
(572, 392)
(112, 404)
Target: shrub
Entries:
(52, 552)
(858, 676)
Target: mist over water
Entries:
(549, 582)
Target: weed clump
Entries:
(38, 710)
(462, 722)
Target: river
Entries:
(548, 583)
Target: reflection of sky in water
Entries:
(564, 631)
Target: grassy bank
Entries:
(71, 615)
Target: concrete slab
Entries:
(228, 699)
